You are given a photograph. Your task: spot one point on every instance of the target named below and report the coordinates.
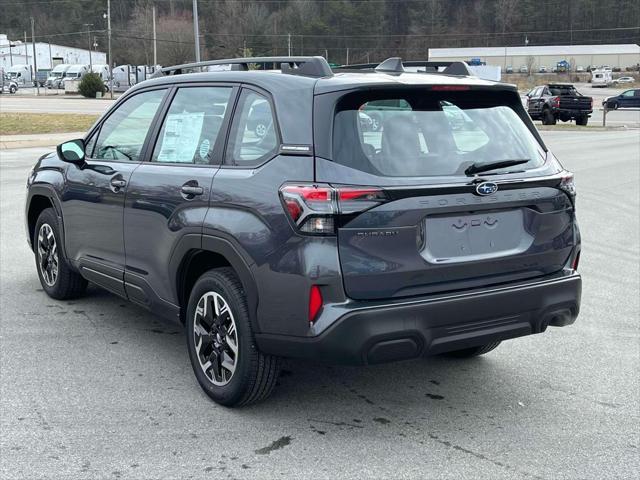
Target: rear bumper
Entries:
(436, 324)
(571, 112)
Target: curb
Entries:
(8, 142)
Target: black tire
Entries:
(255, 373)
(473, 352)
(68, 283)
(548, 118)
(614, 106)
(12, 89)
(582, 120)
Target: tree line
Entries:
(344, 30)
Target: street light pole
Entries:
(155, 48)
(196, 33)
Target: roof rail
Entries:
(397, 65)
(303, 66)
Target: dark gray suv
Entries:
(445, 230)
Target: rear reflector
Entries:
(315, 302)
(576, 262)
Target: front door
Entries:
(168, 195)
(93, 199)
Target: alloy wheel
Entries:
(215, 337)
(47, 255)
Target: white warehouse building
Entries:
(623, 55)
(48, 55)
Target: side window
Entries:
(122, 134)
(628, 93)
(192, 125)
(90, 144)
(253, 138)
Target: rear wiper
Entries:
(485, 167)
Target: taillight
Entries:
(314, 208)
(555, 101)
(568, 186)
(315, 302)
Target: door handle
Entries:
(117, 182)
(191, 190)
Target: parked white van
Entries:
(601, 77)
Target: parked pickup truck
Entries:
(558, 101)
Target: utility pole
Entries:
(10, 53)
(289, 43)
(347, 55)
(155, 46)
(33, 45)
(196, 32)
(89, 25)
(109, 49)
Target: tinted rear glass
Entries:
(562, 90)
(417, 133)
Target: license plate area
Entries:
(478, 236)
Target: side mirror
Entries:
(72, 151)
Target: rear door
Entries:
(425, 226)
(168, 195)
(535, 102)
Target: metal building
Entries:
(16, 52)
(623, 55)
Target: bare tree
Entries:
(531, 63)
(175, 39)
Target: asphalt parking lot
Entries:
(99, 388)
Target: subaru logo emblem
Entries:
(486, 188)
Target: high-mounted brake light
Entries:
(315, 302)
(450, 88)
(313, 208)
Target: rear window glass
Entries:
(562, 90)
(429, 134)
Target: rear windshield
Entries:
(423, 133)
(563, 90)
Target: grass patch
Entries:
(34, 123)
